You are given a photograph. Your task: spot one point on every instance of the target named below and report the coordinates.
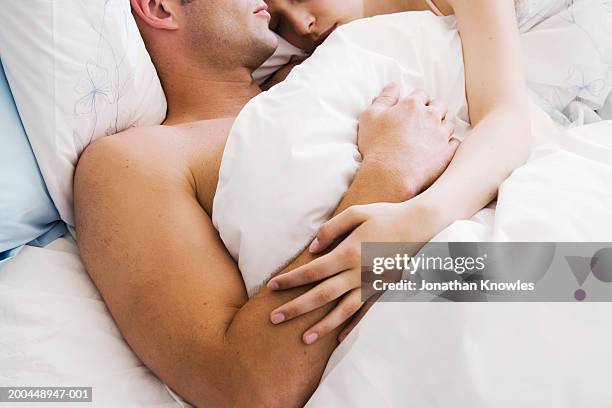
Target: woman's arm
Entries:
(498, 144)
(498, 106)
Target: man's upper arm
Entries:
(156, 258)
(176, 294)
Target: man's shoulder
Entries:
(172, 159)
(138, 157)
(159, 145)
(132, 144)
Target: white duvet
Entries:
(503, 354)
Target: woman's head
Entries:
(306, 23)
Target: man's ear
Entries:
(158, 14)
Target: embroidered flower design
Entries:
(582, 86)
(96, 89)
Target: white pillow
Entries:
(78, 70)
(292, 151)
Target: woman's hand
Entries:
(340, 270)
(410, 135)
(414, 141)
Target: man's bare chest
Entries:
(205, 155)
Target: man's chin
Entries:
(271, 40)
(266, 44)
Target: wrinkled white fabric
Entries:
(472, 355)
(292, 152)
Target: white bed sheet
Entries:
(56, 331)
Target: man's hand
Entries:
(410, 136)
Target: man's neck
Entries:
(196, 94)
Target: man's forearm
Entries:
(377, 182)
(280, 366)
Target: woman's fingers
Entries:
(314, 271)
(338, 226)
(322, 294)
(346, 308)
(355, 320)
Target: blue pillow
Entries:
(27, 214)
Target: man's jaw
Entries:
(261, 12)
